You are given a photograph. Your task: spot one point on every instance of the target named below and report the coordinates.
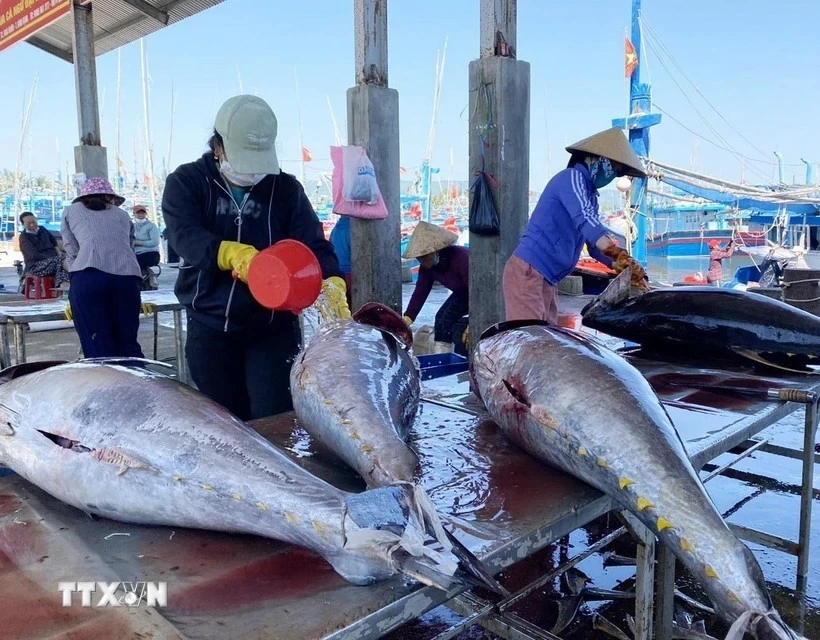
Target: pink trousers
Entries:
(527, 295)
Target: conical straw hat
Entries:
(612, 144)
(428, 238)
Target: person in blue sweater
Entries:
(146, 245)
(565, 219)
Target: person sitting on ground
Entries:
(146, 239)
(41, 254)
(443, 262)
(716, 257)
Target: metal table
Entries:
(19, 315)
(506, 506)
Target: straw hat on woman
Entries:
(442, 261)
(564, 220)
(104, 296)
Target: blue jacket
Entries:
(340, 239)
(565, 218)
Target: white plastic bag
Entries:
(359, 183)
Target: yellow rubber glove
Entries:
(148, 308)
(68, 314)
(236, 257)
(408, 320)
(334, 291)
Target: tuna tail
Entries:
(399, 522)
(763, 626)
(617, 291)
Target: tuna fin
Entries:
(396, 522)
(19, 370)
(385, 319)
(756, 357)
(126, 361)
(616, 291)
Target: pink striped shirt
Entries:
(101, 240)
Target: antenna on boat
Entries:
(149, 145)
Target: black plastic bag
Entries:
(484, 219)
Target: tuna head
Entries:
(389, 530)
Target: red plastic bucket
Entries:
(285, 277)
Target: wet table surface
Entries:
(505, 506)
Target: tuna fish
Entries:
(578, 406)
(122, 442)
(708, 320)
(355, 389)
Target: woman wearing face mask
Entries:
(146, 245)
(440, 261)
(566, 218)
(220, 211)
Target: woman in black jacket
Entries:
(220, 211)
(41, 255)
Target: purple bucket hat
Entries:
(98, 187)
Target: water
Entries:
(671, 270)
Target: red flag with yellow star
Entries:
(631, 58)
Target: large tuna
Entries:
(707, 320)
(135, 446)
(582, 408)
(355, 389)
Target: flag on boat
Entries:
(631, 58)
(307, 156)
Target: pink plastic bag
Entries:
(341, 205)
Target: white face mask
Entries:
(239, 179)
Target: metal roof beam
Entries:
(50, 48)
(149, 10)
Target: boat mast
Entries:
(120, 181)
(426, 171)
(638, 122)
(150, 147)
(18, 208)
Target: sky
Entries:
(732, 78)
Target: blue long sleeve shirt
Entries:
(565, 218)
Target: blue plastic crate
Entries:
(442, 364)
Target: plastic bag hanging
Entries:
(484, 218)
(359, 176)
(345, 207)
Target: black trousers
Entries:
(148, 259)
(453, 309)
(248, 373)
(106, 311)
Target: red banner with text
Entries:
(21, 19)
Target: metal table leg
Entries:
(665, 588)
(645, 577)
(156, 334)
(20, 342)
(4, 345)
(182, 365)
(804, 540)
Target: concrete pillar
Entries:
(373, 123)
(90, 156)
(500, 123)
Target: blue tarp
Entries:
(744, 203)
